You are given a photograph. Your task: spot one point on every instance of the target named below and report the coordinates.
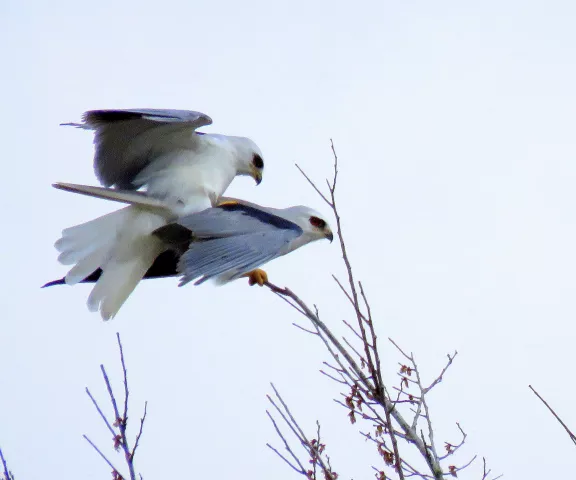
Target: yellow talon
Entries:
(257, 276)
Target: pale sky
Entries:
(454, 123)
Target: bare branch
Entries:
(286, 446)
(6, 473)
(95, 403)
(121, 421)
(114, 469)
(314, 186)
(137, 441)
(441, 376)
(570, 434)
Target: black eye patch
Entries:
(258, 162)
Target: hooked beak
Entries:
(329, 235)
(256, 174)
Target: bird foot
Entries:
(257, 276)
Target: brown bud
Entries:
(352, 417)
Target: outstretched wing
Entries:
(228, 240)
(127, 141)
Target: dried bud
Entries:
(119, 421)
(350, 402)
(310, 474)
(380, 475)
(117, 442)
(388, 458)
(405, 369)
(404, 382)
(352, 417)
(379, 430)
(452, 470)
(448, 447)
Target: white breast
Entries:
(190, 180)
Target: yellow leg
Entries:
(257, 276)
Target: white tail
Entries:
(121, 245)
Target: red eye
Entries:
(317, 222)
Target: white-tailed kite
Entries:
(182, 171)
(230, 241)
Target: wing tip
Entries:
(68, 187)
(60, 281)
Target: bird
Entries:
(229, 241)
(156, 161)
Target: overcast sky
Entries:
(454, 122)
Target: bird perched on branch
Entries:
(230, 241)
(181, 171)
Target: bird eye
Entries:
(317, 222)
(258, 162)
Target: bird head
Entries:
(249, 158)
(311, 222)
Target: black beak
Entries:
(330, 236)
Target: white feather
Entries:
(132, 255)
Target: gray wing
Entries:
(126, 141)
(230, 240)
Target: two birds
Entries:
(177, 221)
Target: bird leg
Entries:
(257, 276)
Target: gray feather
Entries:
(237, 255)
(129, 140)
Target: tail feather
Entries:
(89, 244)
(89, 264)
(60, 281)
(121, 244)
(120, 276)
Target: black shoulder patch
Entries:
(109, 116)
(261, 215)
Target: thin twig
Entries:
(314, 186)
(286, 446)
(121, 421)
(103, 456)
(95, 403)
(7, 473)
(452, 449)
(570, 434)
(137, 441)
(441, 376)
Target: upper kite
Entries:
(153, 147)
